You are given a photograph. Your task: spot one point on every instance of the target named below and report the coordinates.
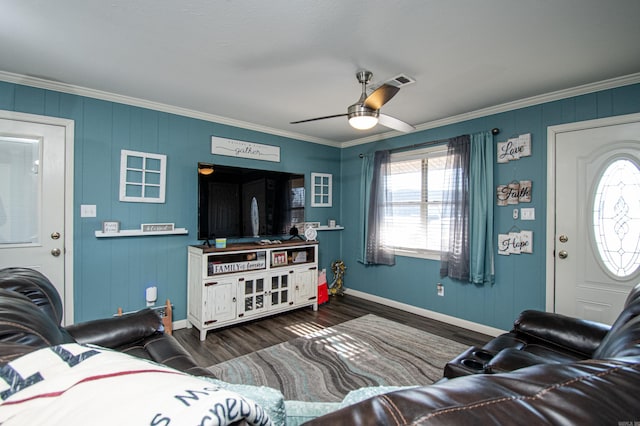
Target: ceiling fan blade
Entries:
(318, 118)
(380, 96)
(395, 124)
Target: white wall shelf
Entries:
(329, 228)
(139, 233)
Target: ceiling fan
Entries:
(365, 113)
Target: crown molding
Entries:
(42, 83)
(510, 106)
(484, 112)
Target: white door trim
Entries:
(552, 132)
(69, 126)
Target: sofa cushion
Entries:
(623, 341)
(75, 384)
(513, 359)
(23, 323)
(165, 349)
(36, 287)
(585, 392)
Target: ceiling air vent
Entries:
(400, 80)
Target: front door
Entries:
(596, 242)
(34, 222)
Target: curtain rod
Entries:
(494, 132)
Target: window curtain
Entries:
(375, 252)
(467, 243)
(366, 175)
(454, 255)
(481, 191)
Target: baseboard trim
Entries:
(177, 325)
(469, 325)
(458, 322)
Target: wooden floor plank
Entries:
(227, 343)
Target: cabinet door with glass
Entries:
(280, 292)
(252, 295)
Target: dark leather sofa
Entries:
(31, 314)
(549, 369)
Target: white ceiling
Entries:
(266, 63)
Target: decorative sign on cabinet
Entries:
(247, 281)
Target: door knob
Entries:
(562, 254)
(55, 252)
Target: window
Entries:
(20, 190)
(616, 218)
(321, 189)
(415, 185)
(142, 177)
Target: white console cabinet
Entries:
(246, 281)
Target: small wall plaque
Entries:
(157, 227)
(514, 148)
(110, 226)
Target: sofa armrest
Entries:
(117, 331)
(573, 334)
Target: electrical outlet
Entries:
(440, 288)
(161, 311)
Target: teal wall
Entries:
(520, 279)
(113, 272)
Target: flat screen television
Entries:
(237, 202)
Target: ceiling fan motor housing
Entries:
(359, 110)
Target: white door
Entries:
(596, 242)
(35, 229)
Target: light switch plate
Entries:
(88, 210)
(528, 213)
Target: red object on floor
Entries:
(323, 294)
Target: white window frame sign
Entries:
(143, 173)
(321, 189)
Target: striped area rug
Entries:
(324, 364)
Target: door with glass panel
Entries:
(253, 295)
(597, 223)
(32, 199)
(279, 293)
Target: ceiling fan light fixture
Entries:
(363, 122)
(361, 117)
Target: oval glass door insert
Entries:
(616, 217)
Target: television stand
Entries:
(246, 281)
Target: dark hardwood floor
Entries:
(227, 343)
